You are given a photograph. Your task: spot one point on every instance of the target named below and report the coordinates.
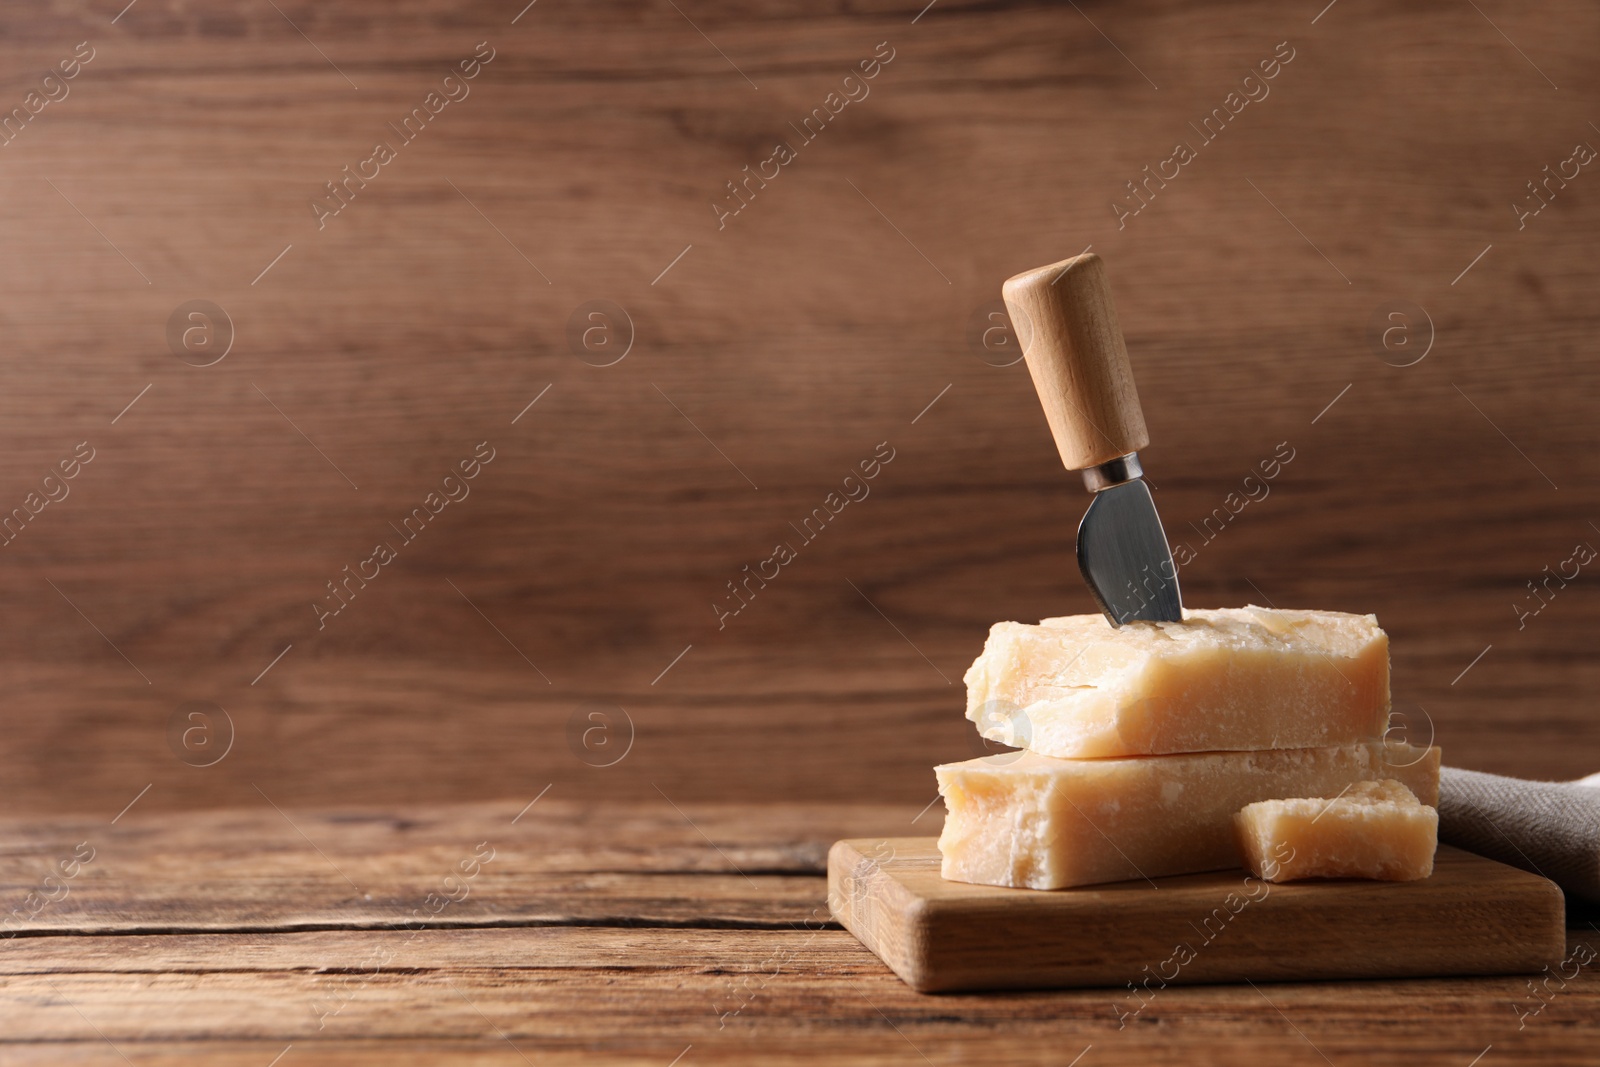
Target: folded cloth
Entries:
(1549, 828)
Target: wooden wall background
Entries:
(821, 321)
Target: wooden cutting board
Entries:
(1473, 916)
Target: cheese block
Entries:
(1224, 679)
(1022, 819)
(1372, 830)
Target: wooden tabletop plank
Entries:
(558, 862)
(592, 963)
(817, 992)
(866, 1049)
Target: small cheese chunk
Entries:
(1022, 819)
(1225, 679)
(1372, 830)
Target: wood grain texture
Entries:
(783, 346)
(1066, 323)
(275, 868)
(1473, 916)
(228, 936)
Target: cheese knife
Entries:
(1067, 326)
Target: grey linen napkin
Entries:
(1549, 828)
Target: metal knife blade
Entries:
(1123, 554)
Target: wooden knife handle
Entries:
(1067, 325)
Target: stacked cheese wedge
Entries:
(1143, 744)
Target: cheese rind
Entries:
(1022, 819)
(1374, 830)
(1223, 679)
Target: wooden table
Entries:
(645, 933)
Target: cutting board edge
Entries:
(909, 931)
